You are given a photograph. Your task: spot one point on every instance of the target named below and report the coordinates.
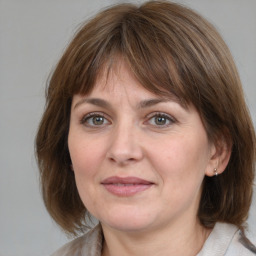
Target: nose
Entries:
(125, 147)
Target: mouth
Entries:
(127, 186)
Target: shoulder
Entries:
(89, 244)
(227, 240)
(241, 246)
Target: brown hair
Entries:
(170, 49)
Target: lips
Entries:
(127, 186)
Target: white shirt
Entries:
(224, 240)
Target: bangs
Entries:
(152, 55)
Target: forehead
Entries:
(122, 90)
(115, 76)
(118, 79)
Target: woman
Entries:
(146, 129)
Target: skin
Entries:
(125, 137)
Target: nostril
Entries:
(124, 150)
(112, 159)
(122, 160)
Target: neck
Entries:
(178, 240)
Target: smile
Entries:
(125, 187)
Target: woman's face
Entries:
(139, 160)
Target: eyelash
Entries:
(168, 118)
(85, 119)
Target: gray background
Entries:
(33, 35)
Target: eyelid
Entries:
(93, 114)
(161, 114)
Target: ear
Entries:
(220, 153)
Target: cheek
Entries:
(85, 154)
(181, 171)
(182, 161)
(85, 159)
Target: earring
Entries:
(215, 172)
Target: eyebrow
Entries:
(151, 102)
(93, 101)
(143, 104)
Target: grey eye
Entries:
(160, 120)
(98, 120)
(94, 120)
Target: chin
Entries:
(127, 226)
(133, 222)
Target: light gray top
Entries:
(224, 240)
